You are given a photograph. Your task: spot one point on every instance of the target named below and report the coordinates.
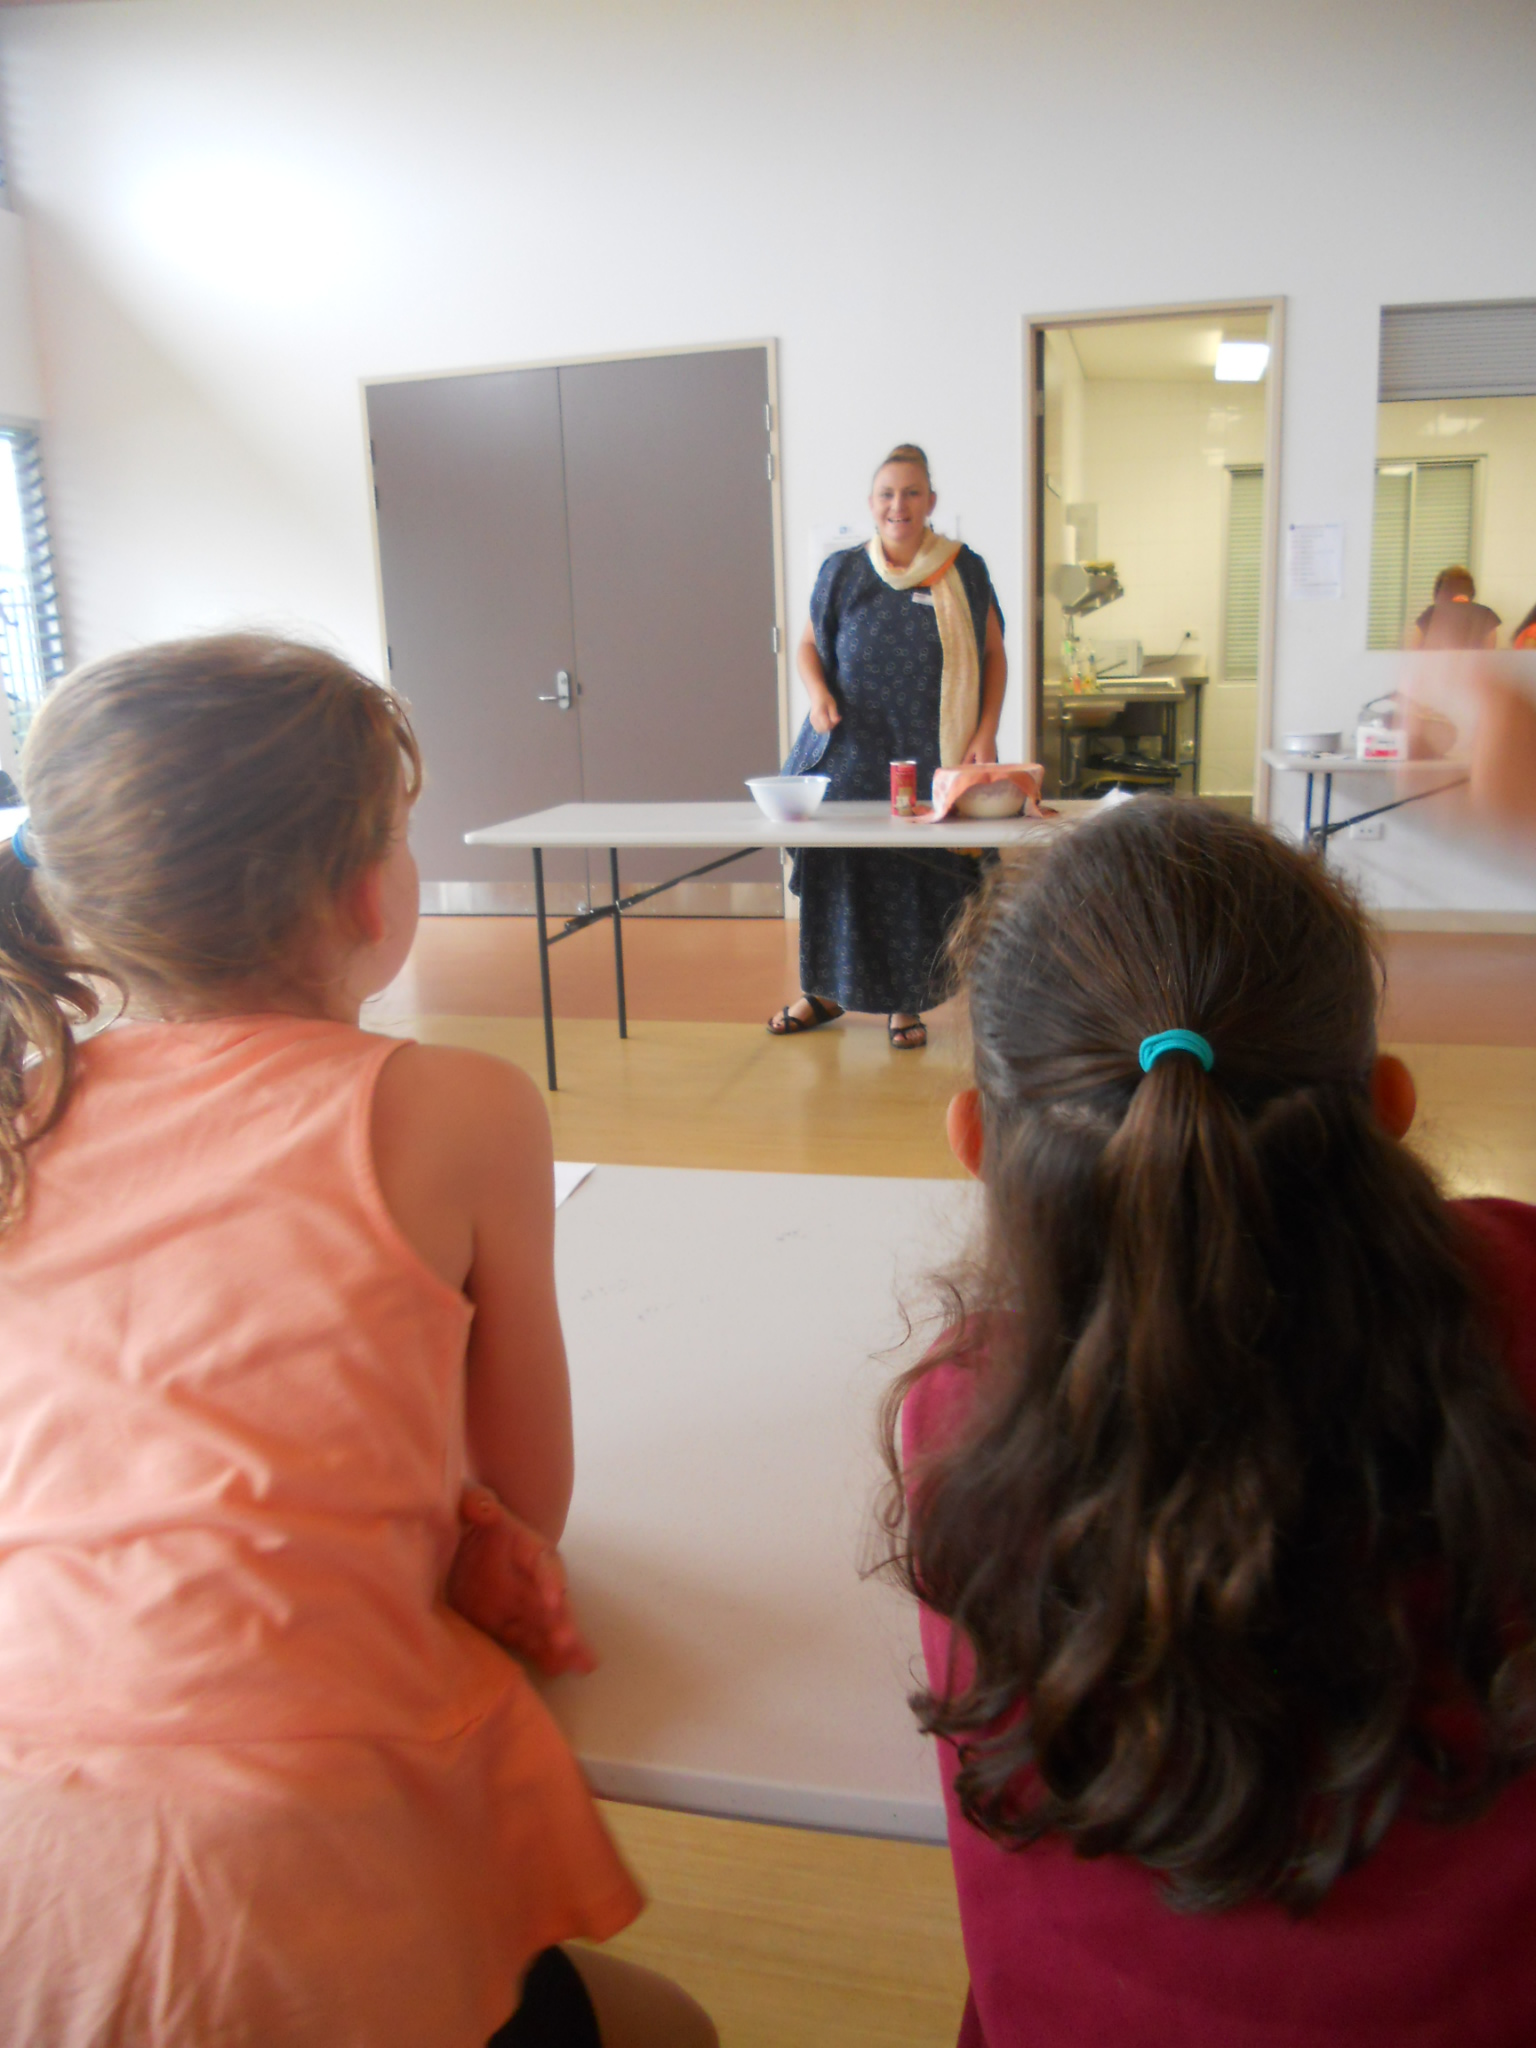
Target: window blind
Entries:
(1389, 555)
(1471, 351)
(1245, 545)
(1423, 524)
(31, 643)
(1442, 528)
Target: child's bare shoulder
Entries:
(453, 1073)
(460, 1107)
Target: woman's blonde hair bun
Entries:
(907, 451)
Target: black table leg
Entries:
(1306, 826)
(549, 1008)
(1327, 809)
(618, 940)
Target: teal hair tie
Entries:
(20, 847)
(1153, 1048)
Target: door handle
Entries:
(563, 695)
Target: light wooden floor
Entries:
(797, 1940)
(840, 1101)
(822, 1941)
(1444, 988)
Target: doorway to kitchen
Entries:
(580, 573)
(1154, 488)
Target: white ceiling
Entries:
(1163, 351)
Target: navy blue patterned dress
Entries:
(873, 925)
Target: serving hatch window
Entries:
(1455, 462)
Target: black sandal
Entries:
(785, 1026)
(898, 1034)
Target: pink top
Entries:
(1427, 1944)
(257, 1782)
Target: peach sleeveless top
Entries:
(258, 1784)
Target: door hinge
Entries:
(770, 467)
(768, 417)
(389, 656)
(375, 497)
(775, 639)
(373, 451)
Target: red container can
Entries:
(903, 789)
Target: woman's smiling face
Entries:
(902, 502)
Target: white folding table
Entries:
(730, 1339)
(863, 826)
(1419, 779)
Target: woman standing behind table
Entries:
(902, 659)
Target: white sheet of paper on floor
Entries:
(569, 1175)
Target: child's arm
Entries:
(463, 1152)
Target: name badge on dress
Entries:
(923, 597)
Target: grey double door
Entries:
(578, 584)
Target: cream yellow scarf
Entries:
(933, 568)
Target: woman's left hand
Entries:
(508, 1580)
(982, 750)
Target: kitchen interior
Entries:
(1151, 512)
(1455, 484)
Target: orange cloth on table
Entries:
(258, 1784)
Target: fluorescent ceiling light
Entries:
(1241, 362)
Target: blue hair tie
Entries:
(20, 848)
(1153, 1048)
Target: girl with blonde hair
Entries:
(273, 1289)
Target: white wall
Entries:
(240, 207)
(1155, 460)
(21, 399)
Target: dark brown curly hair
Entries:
(1241, 1527)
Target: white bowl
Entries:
(1312, 742)
(784, 798)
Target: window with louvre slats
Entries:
(31, 644)
(1424, 523)
(1466, 351)
(1245, 544)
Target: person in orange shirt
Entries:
(285, 1424)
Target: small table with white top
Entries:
(1421, 778)
(847, 825)
(730, 1338)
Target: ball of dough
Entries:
(991, 800)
